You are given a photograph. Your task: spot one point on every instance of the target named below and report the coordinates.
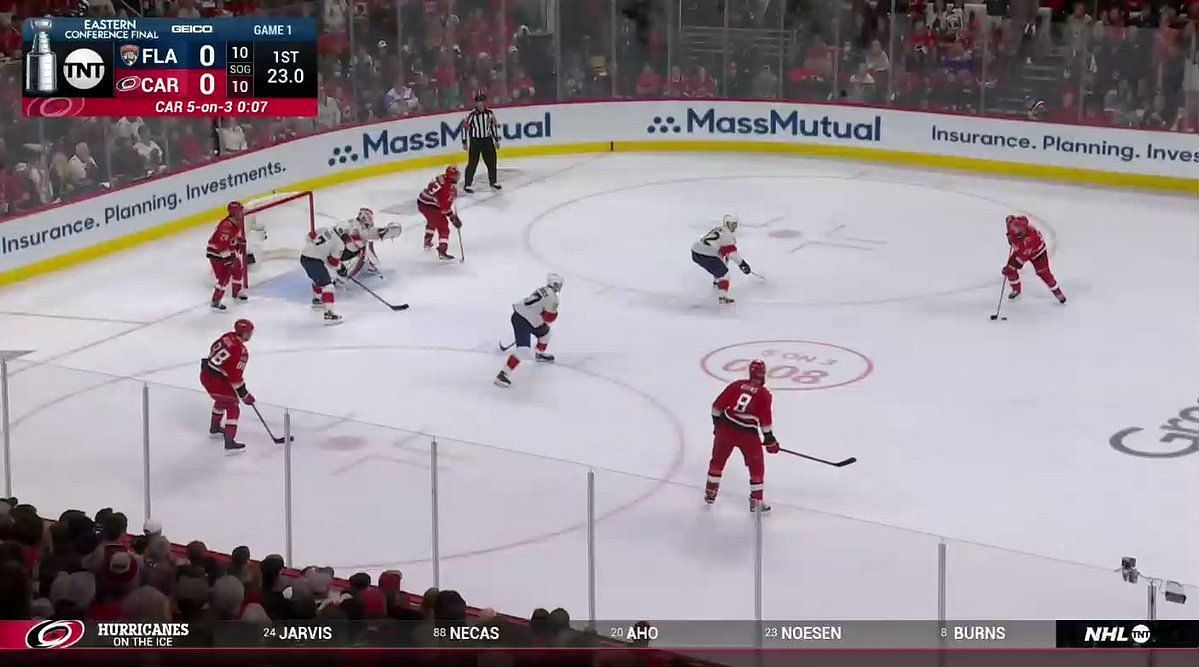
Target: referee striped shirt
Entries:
(481, 125)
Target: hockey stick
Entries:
(758, 276)
(838, 464)
(461, 250)
(278, 441)
(999, 306)
(394, 307)
(509, 346)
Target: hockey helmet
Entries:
(366, 217)
(451, 174)
(757, 371)
(235, 209)
(554, 282)
(243, 328)
(1017, 224)
(730, 222)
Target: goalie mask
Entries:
(366, 218)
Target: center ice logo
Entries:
(706, 121)
(387, 142)
(791, 365)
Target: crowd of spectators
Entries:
(92, 569)
(1132, 63)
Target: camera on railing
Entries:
(1171, 590)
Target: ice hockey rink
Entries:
(994, 437)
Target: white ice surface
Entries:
(981, 432)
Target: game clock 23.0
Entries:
(285, 69)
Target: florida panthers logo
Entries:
(54, 634)
(129, 54)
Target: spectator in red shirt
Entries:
(10, 38)
(676, 84)
(649, 84)
(701, 85)
(522, 85)
(1066, 112)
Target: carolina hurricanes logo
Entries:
(54, 634)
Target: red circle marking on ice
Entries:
(792, 365)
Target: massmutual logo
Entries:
(706, 121)
(387, 142)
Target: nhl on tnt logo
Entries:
(54, 634)
(83, 69)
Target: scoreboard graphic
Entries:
(250, 67)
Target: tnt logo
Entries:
(343, 154)
(662, 125)
(83, 69)
(1140, 634)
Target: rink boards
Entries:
(74, 232)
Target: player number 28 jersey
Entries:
(719, 242)
(540, 308)
(746, 405)
(326, 245)
(228, 356)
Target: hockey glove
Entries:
(245, 395)
(455, 221)
(744, 266)
(772, 445)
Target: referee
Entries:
(482, 132)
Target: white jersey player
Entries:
(532, 317)
(715, 250)
(324, 250)
(364, 225)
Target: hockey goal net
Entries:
(276, 229)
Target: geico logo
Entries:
(192, 28)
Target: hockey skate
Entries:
(1015, 292)
(241, 296)
(545, 357)
(445, 256)
(215, 429)
(1061, 296)
(232, 445)
(332, 318)
(316, 302)
(759, 506)
(218, 306)
(710, 494)
(725, 299)
(501, 380)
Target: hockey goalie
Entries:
(366, 259)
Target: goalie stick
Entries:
(385, 302)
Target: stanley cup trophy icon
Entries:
(41, 70)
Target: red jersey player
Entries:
(225, 250)
(436, 203)
(1027, 245)
(738, 413)
(221, 374)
